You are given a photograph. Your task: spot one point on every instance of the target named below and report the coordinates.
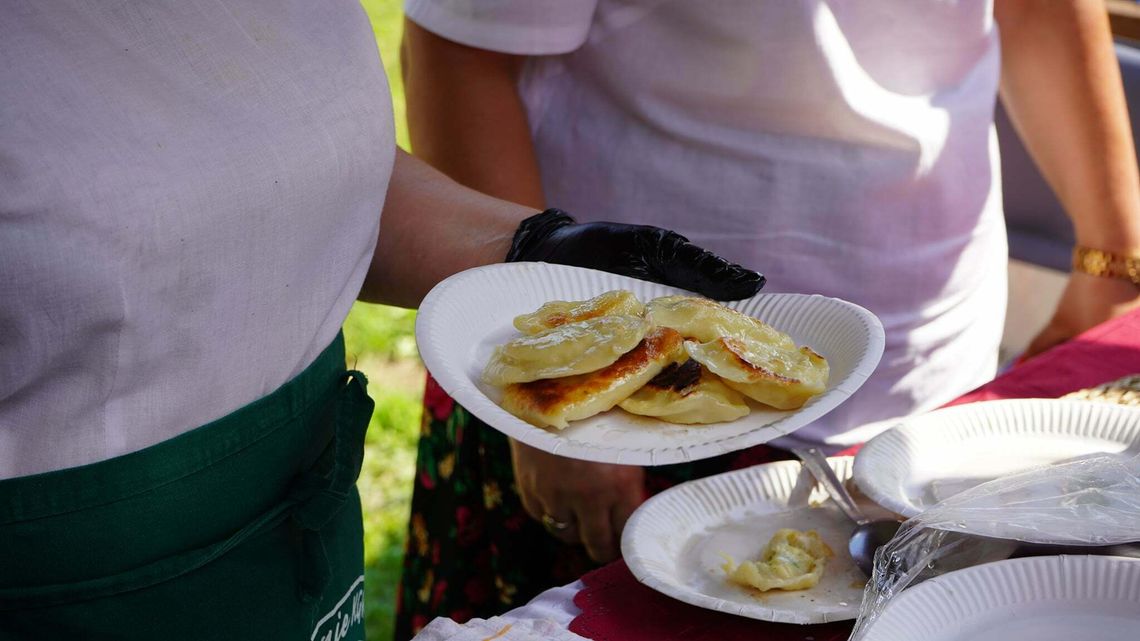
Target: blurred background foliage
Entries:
(381, 343)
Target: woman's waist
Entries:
(859, 194)
(894, 277)
(113, 386)
(829, 228)
(179, 494)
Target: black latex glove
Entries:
(640, 251)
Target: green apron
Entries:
(246, 528)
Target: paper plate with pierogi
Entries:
(608, 368)
(764, 542)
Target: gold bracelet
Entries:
(1101, 263)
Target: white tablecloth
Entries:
(556, 604)
(547, 617)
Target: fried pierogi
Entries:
(573, 348)
(772, 374)
(792, 560)
(579, 358)
(559, 312)
(705, 320)
(556, 401)
(689, 394)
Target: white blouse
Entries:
(841, 147)
(190, 194)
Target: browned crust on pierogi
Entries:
(545, 397)
(755, 372)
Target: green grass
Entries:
(387, 18)
(380, 332)
(385, 484)
(381, 342)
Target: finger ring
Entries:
(552, 524)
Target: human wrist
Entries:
(532, 231)
(1107, 264)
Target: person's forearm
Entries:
(465, 116)
(431, 228)
(1062, 89)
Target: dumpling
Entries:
(559, 312)
(706, 320)
(772, 374)
(689, 394)
(573, 348)
(792, 560)
(554, 402)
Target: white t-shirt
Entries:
(190, 194)
(841, 147)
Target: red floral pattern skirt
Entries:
(472, 550)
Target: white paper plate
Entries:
(1045, 598)
(927, 458)
(674, 541)
(466, 316)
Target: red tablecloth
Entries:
(615, 607)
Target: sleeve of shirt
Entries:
(523, 27)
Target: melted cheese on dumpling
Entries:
(573, 348)
(772, 374)
(689, 394)
(792, 560)
(555, 402)
(559, 312)
(706, 320)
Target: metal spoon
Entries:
(869, 535)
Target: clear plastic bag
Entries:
(1062, 508)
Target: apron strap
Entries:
(316, 496)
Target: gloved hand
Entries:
(640, 251)
(580, 502)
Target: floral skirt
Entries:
(472, 550)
